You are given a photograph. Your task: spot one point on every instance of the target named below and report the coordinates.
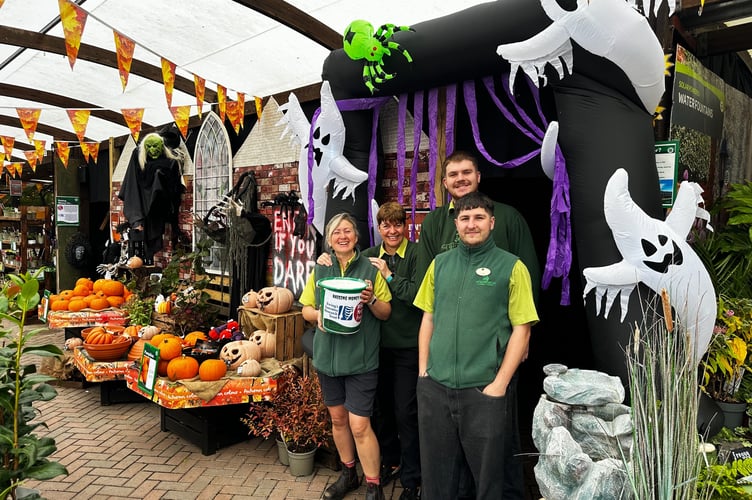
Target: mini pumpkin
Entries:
(135, 262)
(193, 337)
(249, 368)
(182, 367)
(250, 299)
(212, 369)
(275, 299)
(267, 341)
(72, 343)
(237, 351)
(148, 332)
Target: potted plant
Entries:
(299, 417)
(727, 361)
(24, 455)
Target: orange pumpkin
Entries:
(157, 338)
(170, 348)
(60, 305)
(66, 294)
(212, 369)
(97, 286)
(88, 299)
(275, 299)
(100, 337)
(115, 300)
(162, 367)
(132, 330)
(81, 290)
(194, 337)
(181, 368)
(112, 287)
(84, 281)
(99, 303)
(76, 304)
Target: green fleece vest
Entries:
(470, 318)
(335, 354)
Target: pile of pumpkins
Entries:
(89, 294)
(241, 357)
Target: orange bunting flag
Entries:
(8, 144)
(124, 48)
(19, 169)
(31, 157)
(259, 107)
(90, 151)
(79, 119)
(133, 118)
(235, 115)
(63, 152)
(168, 76)
(39, 147)
(2, 160)
(181, 115)
(29, 119)
(222, 101)
(73, 19)
(1, 3)
(241, 104)
(200, 85)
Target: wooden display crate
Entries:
(287, 327)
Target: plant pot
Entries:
(282, 452)
(301, 464)
(733, 413)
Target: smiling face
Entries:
(392, 233)
(343, 238)
(474, 226)
(460, 178)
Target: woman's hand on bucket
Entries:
(366, 296)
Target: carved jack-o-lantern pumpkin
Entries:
(275, 299)
(267, 341)
(237, 351)
(250, 299)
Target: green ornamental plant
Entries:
(24, 455)
(727, 360)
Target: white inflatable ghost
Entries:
(328, 160)
(657, 254)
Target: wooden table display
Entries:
(110, 375)
(287, 327)
(213, 423)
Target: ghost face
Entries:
(154, 147)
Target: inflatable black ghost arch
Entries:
(606, 84)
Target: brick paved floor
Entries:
(119, 451)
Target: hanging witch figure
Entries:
(151, 193)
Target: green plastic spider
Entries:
(360, 42)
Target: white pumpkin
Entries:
(267, 341)
(249, 368)
(249, 300)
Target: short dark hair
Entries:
(472, 200)
(457, 157)
(391, 211)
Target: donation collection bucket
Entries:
(340, 304)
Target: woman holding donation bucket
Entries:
(347, 363)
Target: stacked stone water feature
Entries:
(584, 435)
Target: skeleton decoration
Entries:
(324, 144)
(657, 254)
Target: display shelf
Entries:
(110, 375)
(26, 253)
(84, 318)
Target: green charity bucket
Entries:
(341, 309)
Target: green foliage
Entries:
(24, 455)
(297, 415)
(139, 310)
(727, 252)
(719, 481)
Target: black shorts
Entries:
(355, 392)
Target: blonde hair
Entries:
(335, 221)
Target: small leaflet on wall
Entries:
(667, 163)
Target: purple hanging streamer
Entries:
(417, 128)
(451, 106)
(433, 144)
(372, 165)
(401, 147)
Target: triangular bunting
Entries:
(2, 160)
(29, 119)
(1, 3)
(241, 105)
(93, 151)
(133, 118)
(73, 20)
(181, 115)
(31, 157)
(168, 77)
(222, 101)
(19, 169)
(124, 48)
(63, 152)
(258, 101)
(39, 147)
(79, 119)
(200, 85)
(235, 115)
(8, 144)
(85, 150)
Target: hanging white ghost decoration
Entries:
(657, 254)
(328, 161)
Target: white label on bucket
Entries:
(342, 308)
